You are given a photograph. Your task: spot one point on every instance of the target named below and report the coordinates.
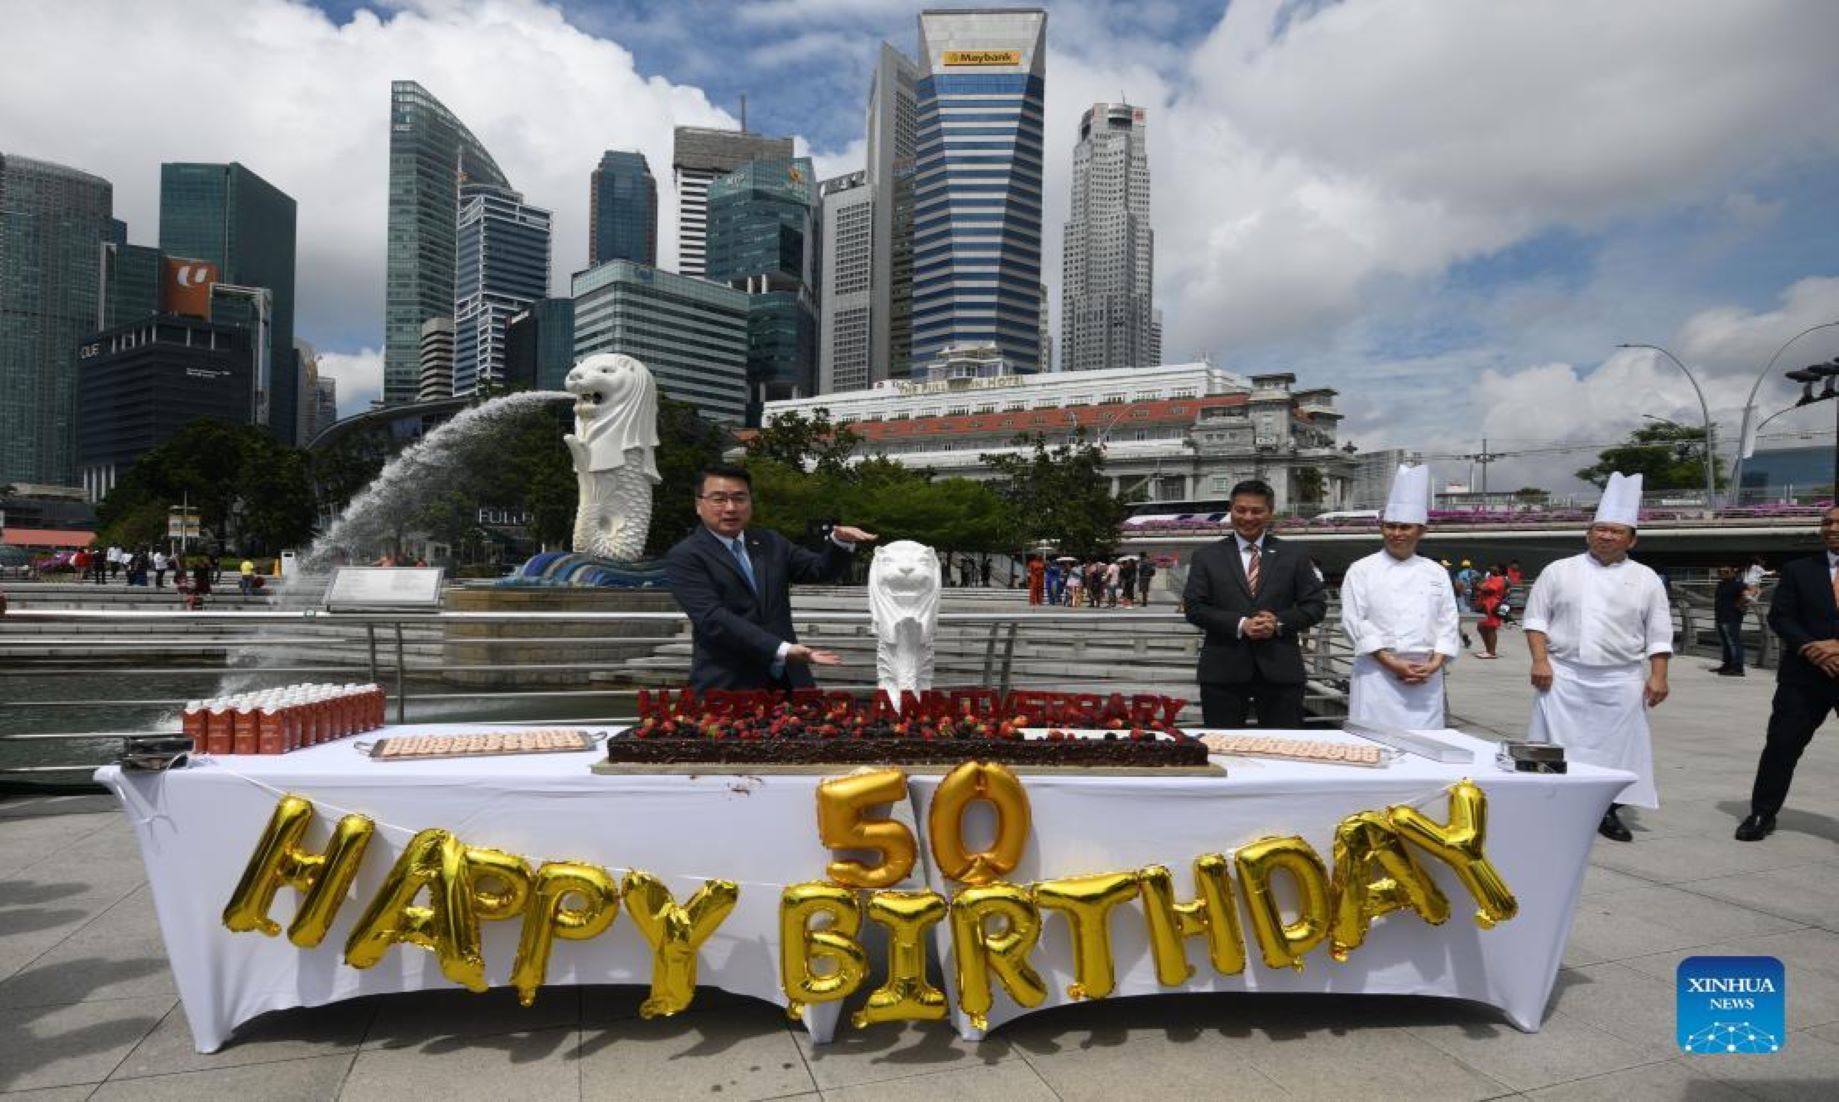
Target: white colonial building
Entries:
(1174, 434)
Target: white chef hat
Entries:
(1621, 503)
(1409, 502)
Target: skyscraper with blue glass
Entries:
(501, 267)
(762, 240)
(977, 184)
(622, 210)
(431, 155)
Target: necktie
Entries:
(1835, 588)
(1251, 569)
(740, 556)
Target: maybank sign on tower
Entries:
(983, 57)
(977, 184)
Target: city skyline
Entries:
(1323, 202)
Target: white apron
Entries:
(1376, 695)
(1596, 713)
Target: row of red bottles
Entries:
(276, 721)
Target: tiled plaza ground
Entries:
(88, 1008)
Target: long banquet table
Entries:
(198, 825)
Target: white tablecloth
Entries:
(197, 827)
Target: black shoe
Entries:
(1611, 827)
(1756, 828)
(1728, 673)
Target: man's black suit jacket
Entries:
(1217, 597)
(735, 632)
(1801, 612)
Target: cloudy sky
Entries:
(1450, 211)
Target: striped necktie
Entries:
(1251, 569)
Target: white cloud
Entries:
(1526, 412)
(359, 375)
(1380, 138)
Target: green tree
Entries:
(1061, 494)
(252, 493)
(1531, 495)
(529, 467)
(350, 462)
(686, 444)
(811, 443)
(1671, 456)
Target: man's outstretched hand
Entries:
(810, 656)
(848, 534)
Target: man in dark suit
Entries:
(735, 585)
(1804, 613)
(1254, 596)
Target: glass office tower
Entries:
(228, 216)
(431, 154)
(501, 268)
(698, 156)
(977, 183)
(53, 223)
(762, 239)
(691, 333)
(622, 210)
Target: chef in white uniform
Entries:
(1399, 612)
(1601, 636)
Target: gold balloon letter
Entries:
(978, 952)
(484, 865)
(1284, 943)
(435, 860)
(1087, 901)
(976, 780)
(800, 945)
(841, 802)
(674, 934)
(1375, 875)
(1461, 843)
(906, 996)
(1212, 915)
(548, 916)
(323, 879)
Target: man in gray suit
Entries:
(1254, 596)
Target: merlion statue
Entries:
(616, 429)
(903, 604)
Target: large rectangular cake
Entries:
(833, 730)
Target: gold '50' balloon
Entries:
(840, 804)
(976, 780)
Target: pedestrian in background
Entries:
(1729, 602)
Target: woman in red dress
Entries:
(1490, 597)
(1037, 579)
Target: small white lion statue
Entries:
(616, 430)
(903, 605)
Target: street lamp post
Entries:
(1711, 480)
(1749, 405)
(1809, 375)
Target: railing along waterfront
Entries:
(75, 682)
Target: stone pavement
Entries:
(88, 1009)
